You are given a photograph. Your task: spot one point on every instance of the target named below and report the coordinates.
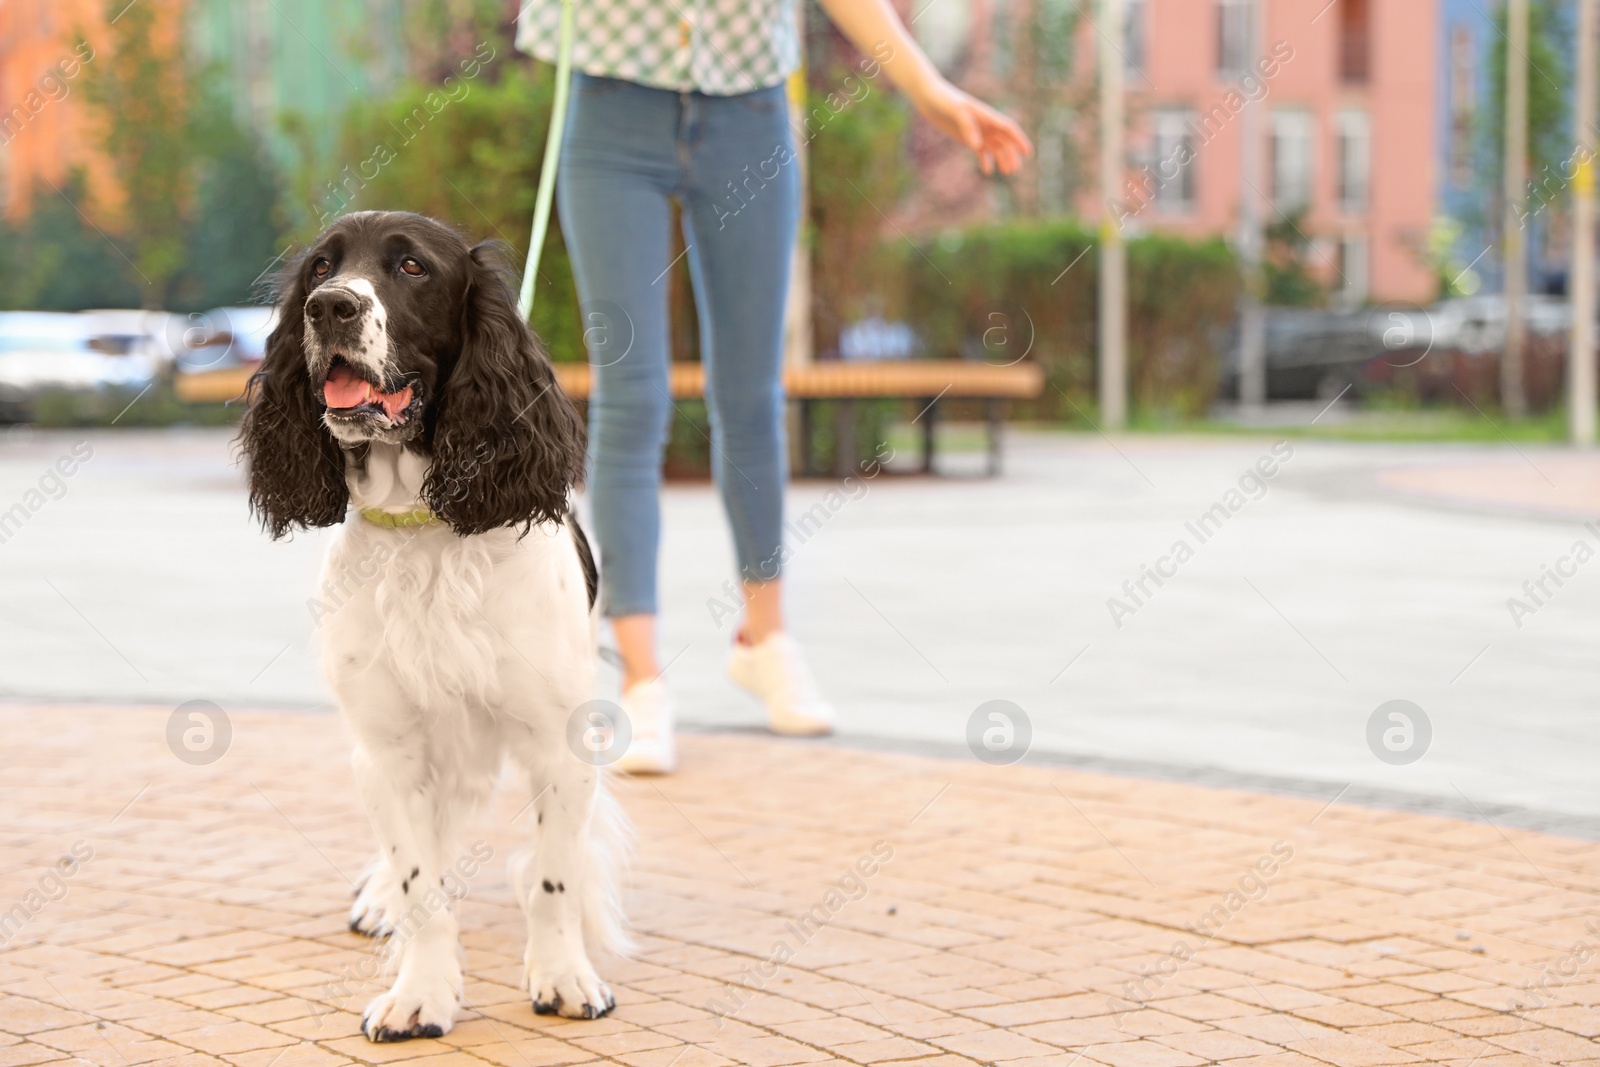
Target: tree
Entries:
(1286, 266)
(1037, 42)
(439, 32)
(200, 202)
(54, 260)
(235, 229)
(468, 154)
(857, 169)
(1549, 82)
(141, 93)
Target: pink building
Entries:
(1348, 124)
(1350, 138)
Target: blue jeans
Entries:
(728, 160)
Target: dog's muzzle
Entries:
(351, 370)
(349, 394)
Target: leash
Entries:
(552, 156)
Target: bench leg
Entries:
(806, 462)
(844, 439)
(996, 426)
(930, 419)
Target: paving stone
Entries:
(1036, 946)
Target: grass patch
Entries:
(157, 406)
(1369, 424)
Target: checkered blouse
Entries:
(718, 47)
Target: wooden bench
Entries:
(927, 381)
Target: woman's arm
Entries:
(994, 138)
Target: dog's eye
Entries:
(412, 267)
(320, 268)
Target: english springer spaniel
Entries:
(403, 399)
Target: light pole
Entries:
(1516, 177)
(1113, 307)
(1252, 316)
(1580, 277)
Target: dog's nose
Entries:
(334, 304)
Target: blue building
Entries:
(1467, 196)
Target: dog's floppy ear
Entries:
(506, 442)
(296, 468)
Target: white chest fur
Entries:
(499, 619)
(411, 601)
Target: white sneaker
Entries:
(651, 749)
(776, 673)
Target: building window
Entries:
(1355, 40)
(1291, 160)
(1233, 38)
(1352, 264)
(1463, 103)
(1355, 161)
(1133, 36)
(1174, 162)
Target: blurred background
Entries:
(1332, 259)
(165, 155)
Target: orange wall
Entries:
(44, 127)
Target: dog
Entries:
(403, 399)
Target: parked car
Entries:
(225, 338)
(1311, 353)
(149, 335)
(1452, 351)
(1437, 353)
(44, 351)
(1477, 324)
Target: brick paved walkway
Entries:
(1538, 481)
(1026, 916)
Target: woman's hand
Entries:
(875, 28)
(997, 141)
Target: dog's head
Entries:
(392, 329)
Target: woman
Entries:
(684, 99)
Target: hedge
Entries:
(1028, 289)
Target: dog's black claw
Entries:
(547, 1007)
(383, 1035)
(589, 1012)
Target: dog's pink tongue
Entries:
(345, 388)
(394, 403)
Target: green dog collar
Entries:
(396, 519)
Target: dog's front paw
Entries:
(377, 900)
(577, 994)
(405, 1012)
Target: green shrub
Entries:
(1005, 292)
(473, 162)
(872, 421)
(856, 130)
(127, 408)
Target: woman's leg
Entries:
(617, 171)
(741, 206)
(763, 610)
(740, 212)
(636, 644)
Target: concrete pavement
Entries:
(1352, 576)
